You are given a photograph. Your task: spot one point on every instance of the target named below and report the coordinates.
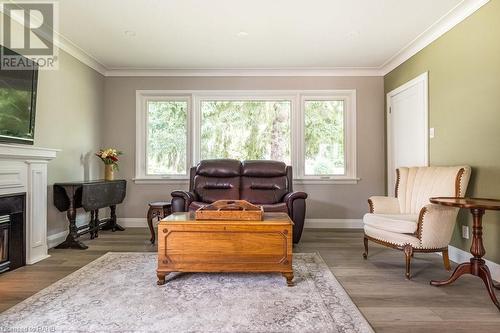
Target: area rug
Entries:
(118, 293)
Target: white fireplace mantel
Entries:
(23, 169)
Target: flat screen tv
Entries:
(17, 102)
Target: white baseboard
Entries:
(132, 222)
(333, 223)
(139, 222)
(56, 239)
(459, 256)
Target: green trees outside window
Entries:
(246, 130)
(324, 138)
(167, 137)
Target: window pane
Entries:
(246, 130)
(324, 138)
(167, 138)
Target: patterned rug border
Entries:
(55, 286)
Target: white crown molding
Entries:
(456, 15)
(364, 71)
(69, 47)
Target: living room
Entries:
(237, 166)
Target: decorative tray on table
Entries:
(239, 210)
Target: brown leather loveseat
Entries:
(265, 183)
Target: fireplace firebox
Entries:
(12, 232)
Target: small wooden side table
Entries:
(477, 265)
(158, 210)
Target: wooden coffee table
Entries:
(189, 245)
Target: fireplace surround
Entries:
(23, 169)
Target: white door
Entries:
(407, 127)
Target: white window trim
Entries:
(297, 98)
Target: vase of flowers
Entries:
(110, 158)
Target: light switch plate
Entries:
(431, 132)
(465, 231)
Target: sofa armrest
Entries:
(384, 205)
(296, 204)
(435, 225)
(181, 200)
(291, 196)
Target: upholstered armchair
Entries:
(265, 183)
(408, 221)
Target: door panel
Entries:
(407, 127)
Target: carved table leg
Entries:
(151, 214)
(365, 242)
(71, 240)
(96, 222)
(485, 275)
(461, 269)
(92, 225)
(111, 224)
(477, 265)
(161, 278)
(289, 279)
(408, 249)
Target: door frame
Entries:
(422, 78)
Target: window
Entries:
(314, 131)
(166, 150)
(324, 137)
(163, 136)
(245, 130)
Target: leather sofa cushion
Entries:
(210, 189)
(259, 190)
(263, 169)
(219, 168)
(404, 224)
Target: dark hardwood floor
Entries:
(377, 285)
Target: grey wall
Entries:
(325, 201)
(69, 111)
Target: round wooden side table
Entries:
(476, 266)
(157, 210)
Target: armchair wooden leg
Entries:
(446, 260)
(408, 249)
(365, 254)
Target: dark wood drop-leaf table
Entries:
(477, 265)
(91, 196)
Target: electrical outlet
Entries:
(465, 231)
